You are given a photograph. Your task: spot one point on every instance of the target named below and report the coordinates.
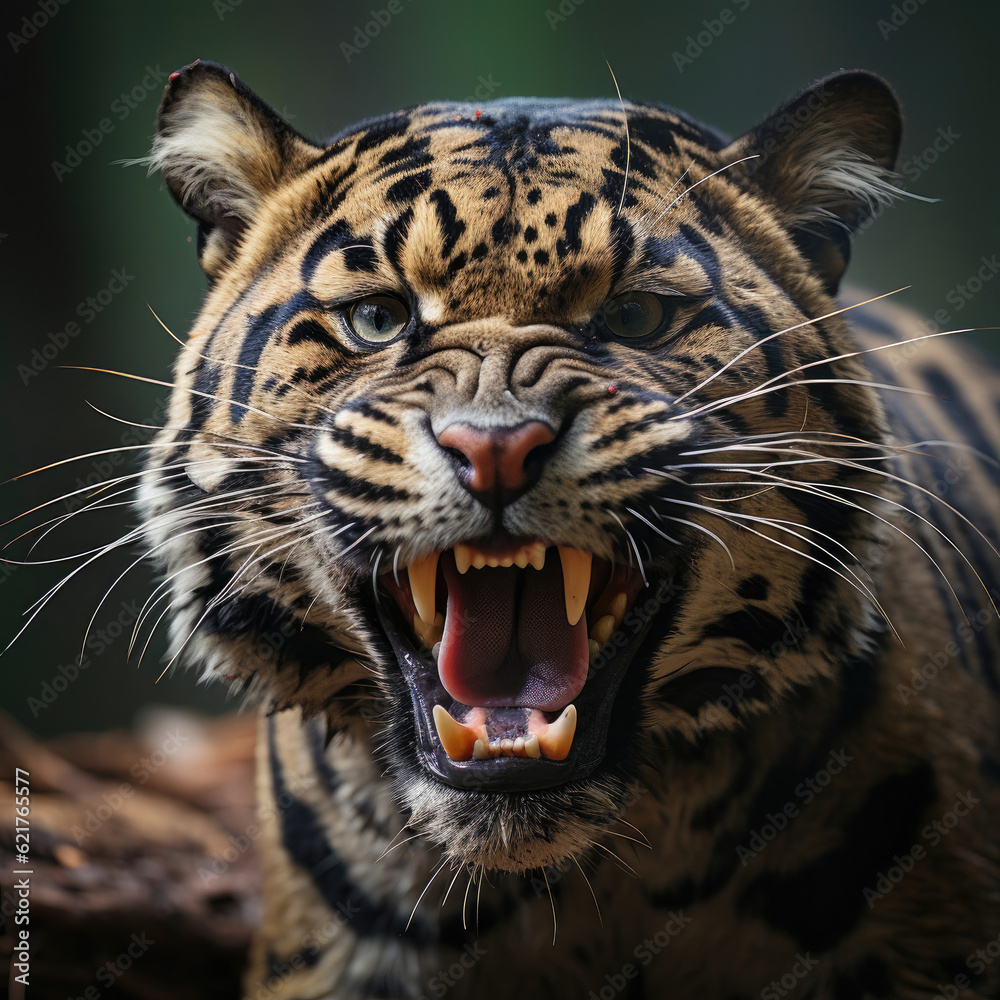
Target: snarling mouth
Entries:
(513, 653)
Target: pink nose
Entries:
(496, 468)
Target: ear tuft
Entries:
(824, 161)
(222, 151)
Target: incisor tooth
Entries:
(463, 558)
(423, 583)
(521, 559)
(576, 580)
(459, 741)
(603, 629)
(536, 555)
(557, 738)
(478, 560)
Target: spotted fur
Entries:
(771, 761)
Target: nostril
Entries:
(494, 462)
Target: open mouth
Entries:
(513, 653)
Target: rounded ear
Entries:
(222, 151)
(824, 161)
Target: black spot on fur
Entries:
(491, 192)
(534, 195)
(887, 822)
(576, 214)
(697, 689)
(754, 588)
(550, 219)
(395, 238)
(522, 255)
(759, 629)
(530, 234)
(338, 234)
(452, 227)
(408, 189)
(360, 256)
(479, 251)
(380, 132)
(541, 256)
(308, 331)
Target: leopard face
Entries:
(508, 436)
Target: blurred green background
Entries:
(69, 222)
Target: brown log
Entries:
(144, 883)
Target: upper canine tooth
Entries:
(556, 739)
(536, 555)
(459, 741)
(576, 567)
(423, 585)
(463, 558)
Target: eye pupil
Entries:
(632, 315)
(635, 314)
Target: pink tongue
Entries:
(507, 641)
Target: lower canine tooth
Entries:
(459, 741)
(557, 738)
(593, 648)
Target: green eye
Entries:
(636, 314)
(378, 319)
